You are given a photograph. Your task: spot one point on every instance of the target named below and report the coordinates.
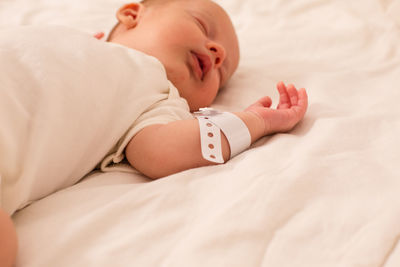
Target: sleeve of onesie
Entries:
(171, 108)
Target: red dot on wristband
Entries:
(210, 134)
(212, 156)
(209, 124)
(211, 146)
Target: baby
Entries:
(198, 48)
(197, 44)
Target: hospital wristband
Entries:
(211, 122)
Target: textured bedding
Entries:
(325, 194)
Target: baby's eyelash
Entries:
(202, 26)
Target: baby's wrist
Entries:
(254, 123)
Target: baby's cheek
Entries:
(177, 75)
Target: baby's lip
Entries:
(202, 64)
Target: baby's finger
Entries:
(284, 101)
(303, 98)
(99, 35)
(293, 95)
(265, 101)
(301, 107)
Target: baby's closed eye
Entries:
(202, 25)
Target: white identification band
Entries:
(210, 138)
(235, 130)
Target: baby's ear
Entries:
(129, 14)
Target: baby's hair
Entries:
(145, 3)
(153, 2)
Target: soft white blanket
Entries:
(325, 194)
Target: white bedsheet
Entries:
(325, 194)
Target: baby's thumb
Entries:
(265, 102)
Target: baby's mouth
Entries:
(202, 64)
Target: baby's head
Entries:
(194, 40)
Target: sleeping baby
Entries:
(197, 45)
(70, 103)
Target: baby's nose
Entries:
(218, 52)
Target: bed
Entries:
(325, 194)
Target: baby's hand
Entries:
(291, 109)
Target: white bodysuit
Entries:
(69, 103)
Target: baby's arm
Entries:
(163, 149)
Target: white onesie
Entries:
(69, 103)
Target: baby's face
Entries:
(195, 41)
